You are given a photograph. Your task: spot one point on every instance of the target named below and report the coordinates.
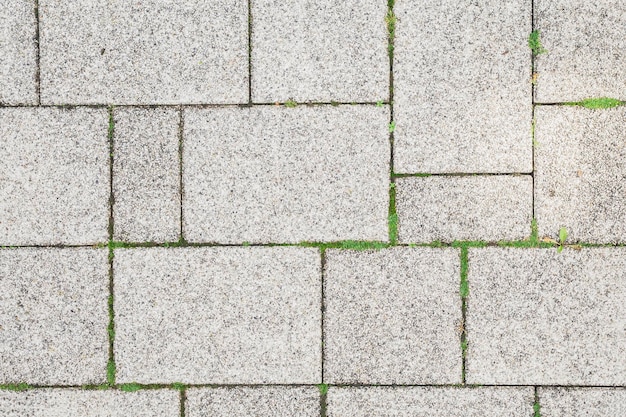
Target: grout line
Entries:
(464, 292)
(38, 55)
(536, 405)
(181, 126)
(250, 52)
(111, 324)
(392, 216)
(183, 400)
(461, 174)
(323, 402)
(532, 98)
(323, 305)
(200, 106)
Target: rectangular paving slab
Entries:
(540, 317)
(392, 316)
(582, 402)
(53, 316)
(273, 174)
(430, 401)
(78, 403)
(218, 315)
(18, 52)
(320, 50)
(462, 87)
(148, 52)
(580, 163)
(146, 174)
(585, 50)
(253, 401)
(54, 176)
(449, 208)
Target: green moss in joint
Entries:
(20, 386)
(290, 103)
(464, 288)
(537, 409)
(534, 43)
(323, 388)
(111, 373)
(131, 387)
(600, 103)
(393, 215)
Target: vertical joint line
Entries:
(532, 98)
(180, 167)
(183, 399)
(392, 215)
(250, 52)
(38, 55)
(464, 292)
(536, 405)
(111, 326)
(323, 403)
(323, 306)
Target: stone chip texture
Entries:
(218, 315)
(392, 316)
(53, 316)
(580, 173)
(582, 402)
(430, 401)
(462, 87)
(539, 317)
(284, 175)
(439, 208)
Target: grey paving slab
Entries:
(430, 401)
(253, 402)
(54, 176)
(582, 402)
(277, 174)
(462, 87)
(146, 174)
(319, 51)
(234, 315)
(148, 52)
(53, 316)
(18, 66)
(580, 164)
(392, 316)
(464, 208)
(78, 403)
(539, 317)
(586, 49)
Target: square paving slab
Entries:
(582, 402)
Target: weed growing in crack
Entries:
(534, 43)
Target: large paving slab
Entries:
(77, 403)
(54, 176)
(146, 174)
(320, 50)
(148, 52)
(586, 49)
(430, 401)
(462, 87)
(392, 316)
(582, 402)
(540, 317)
(218, 315)
(273, 174)
(53, 316)
(580, 164)
(18, 65)
(449, 208)
(253, 402)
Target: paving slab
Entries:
(208, 315)
(271, 174)
(18, 49)
(392, 316)
(321, 50)
(50, 157)
(253, 402)
(53, 316)
(430, 401)
(79, 403)
(540, 317)
(462, 87)
(146, 174)
(582, 402)
(439, 208)
(148, 52)
(586, 50)
(580, 163)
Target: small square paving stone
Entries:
(90, 403)
(271, 174)
(539, 317)
(392, 316)
(580, 163)
(218, 315)
(144, 52)
(430, 401)
(54, 176)
(320, 50)
(462, 87)
(582, 402)
(53, 316)
(253, 402)
(146, 174)
(586, 49)
(445, 209)
(18, 52)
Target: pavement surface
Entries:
(312, 208)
